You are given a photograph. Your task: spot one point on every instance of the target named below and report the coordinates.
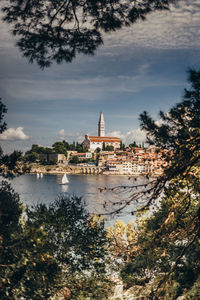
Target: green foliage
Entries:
(57, 148)
(93, 286)
(39, 150)
(79, 148)
(122, 146)
(133, 273)
(57, 31)
(9, 164)
(49, 248)
(10, 240)
(32, 157)
(167, 260)
(98, 150)
(180, 128)
(123, 240)
(66, 231)
(60, 147)
(133, 145)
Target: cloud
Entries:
(70, 136)
(61, 133)
(136, 135)
(174, 29)
(89, 88)
(13, 134)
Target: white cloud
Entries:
(61, 133)
(13, 134)
(70, 136)
(129, 137)
(136, 135)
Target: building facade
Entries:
(93, 142)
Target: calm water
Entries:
(44, 190)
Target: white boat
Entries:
(65, 179)
(38, 175)
(41, 175)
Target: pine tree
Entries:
(57, 31)
(167, 261)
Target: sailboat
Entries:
(65, 179)
(41, 175)
(38, 175)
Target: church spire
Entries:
(101, 126)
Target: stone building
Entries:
(101, 125)
(93, 142)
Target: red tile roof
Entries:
(105, 139)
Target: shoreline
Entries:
(80, 170)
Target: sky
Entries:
(139, 68)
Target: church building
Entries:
(94, 142)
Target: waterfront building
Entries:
(85, 155)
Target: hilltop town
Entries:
(95, 155)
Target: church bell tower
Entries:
(101, 126)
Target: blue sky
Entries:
(138, 68)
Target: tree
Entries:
(9, 164)
(167, 261)
(79, 148)
(10, 239)
(55, 247)
(60, 147)
(123, 147)
(177, 137)
(133, 145)
(32, 157)
(56, 31)
(123, 240)
(66, 235)
(44, 249)
(178, 218)
(40, 150)
(98, 150)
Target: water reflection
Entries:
(64, 188)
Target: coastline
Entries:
(80, 170)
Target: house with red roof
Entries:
(93, 142)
